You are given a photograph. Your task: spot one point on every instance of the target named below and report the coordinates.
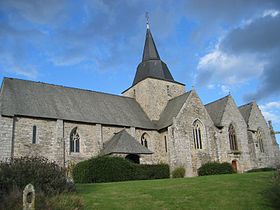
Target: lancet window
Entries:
(197, 134)
(74, 140)
(232, 138)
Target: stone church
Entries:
(155, 121)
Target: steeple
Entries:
(151, 66)
(150, 51)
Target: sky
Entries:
(216, 46)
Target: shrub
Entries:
(261, 169)
(64, 201)
(110, 169)
(213, 168)
(47, 177)
(179, 172)
(273, 192)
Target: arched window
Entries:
(232, 138)
(197, 134)
(74, 141)
(260, 139)
(144, 139)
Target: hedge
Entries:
(272, 193)
(213, 168)
(261, 169)
(111, 169)
(46, 176)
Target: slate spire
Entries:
(150, 51)
(151, 66)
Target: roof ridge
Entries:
(220, 99)
(179, 96)
(250, 103)
(62, 86)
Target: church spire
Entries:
(150, 51)
(151, 66)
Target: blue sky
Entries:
(217, 46)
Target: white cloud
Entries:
(271, 105)
(211, 86)
(67, 61)
(271, 111)
(271, 12)
(225, 89)
(270, 116)
(29, 72)
(218, 66)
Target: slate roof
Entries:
(216, 110)
(152, 66)
(245, 111)
(171, 110)
(150, 51)
(35, 99)
(124, 143)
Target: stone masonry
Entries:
(155, 108)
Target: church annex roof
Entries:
(152, 66)
(245, 111)
(42, 100)
(216, 110)
(171, 110)
(123, 143)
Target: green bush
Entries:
(261, 169)
(179, 172)
(213, 168)
(64, 201)
(110, 169)
(273, 192)
(47, 177)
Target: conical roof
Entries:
(150, 51)
(151, 66)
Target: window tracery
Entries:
(197, 134)
(74, 141)
(232, 138)
(144, 140)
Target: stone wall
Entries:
(268, 157)
(156, 144)
(6, 132)
(153, 95)
(46, 143)
(182, 151)
(53, 138)
(234, 117)
(88, 141)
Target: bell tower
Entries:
(153, 84)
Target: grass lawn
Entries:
(234, 191)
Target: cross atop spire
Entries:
(147, 20)
(151, 66)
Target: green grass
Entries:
(234, 191)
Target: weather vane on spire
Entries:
(147, 19)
